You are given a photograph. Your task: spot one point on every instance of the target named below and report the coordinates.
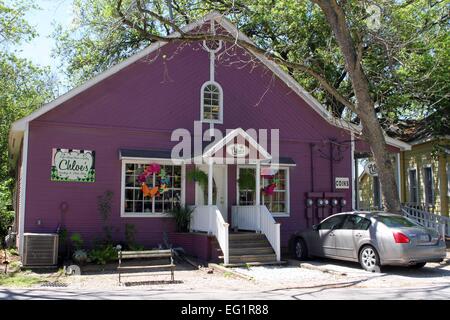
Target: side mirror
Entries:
(315, 227)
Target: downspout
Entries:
(331, 166)
(311, 147)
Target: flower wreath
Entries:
(147, 188)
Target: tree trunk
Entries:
(372, 131)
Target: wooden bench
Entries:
(149, 254)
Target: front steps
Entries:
(249, 248)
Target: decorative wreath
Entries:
(270, 188)
(147, 188)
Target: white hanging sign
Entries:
(371, 168)
(237, 150)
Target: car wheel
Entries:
(369, 259)
(418, 265)
(300, 249)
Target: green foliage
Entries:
(102, 255)
(197, 175)
(406, 60)
(130, 233)
(77, 241)
(24, 87)
(182, 215)
(6, 212)
(20, 279)
(14, 28)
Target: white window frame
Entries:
(409, 184)
(126, 161)
(220, 120)
(288, 189)
(432, 186)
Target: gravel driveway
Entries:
(338, 273)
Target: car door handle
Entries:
(331, 234)
(358, 235)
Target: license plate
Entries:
(424, 238)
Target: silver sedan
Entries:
(371, 238)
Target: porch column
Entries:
(210, 183)
(210, 194)
(258, 193)
(258, 183)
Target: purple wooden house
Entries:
(275, 160)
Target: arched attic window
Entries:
(211, 102)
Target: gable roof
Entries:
(19, 126)
(211, 151)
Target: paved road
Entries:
(432, 292)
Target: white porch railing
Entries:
(209, 219)
(258, 218)
(245, 217)
(428, 219)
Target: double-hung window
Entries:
(276, 201)
(428, 181)
(413, 186)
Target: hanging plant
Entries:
(247, 180)
(197, 175)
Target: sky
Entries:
(50, 12)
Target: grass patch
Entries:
(20, 279)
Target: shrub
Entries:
(77, 241)
(102, 255)
(182, 215)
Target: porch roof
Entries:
(167, 154)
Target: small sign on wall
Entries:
(371, 168)
(73, 165)
(342, 183)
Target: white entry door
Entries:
(220, 198)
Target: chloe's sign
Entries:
(73, 165)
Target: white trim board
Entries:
(19, 125)
(23, 190)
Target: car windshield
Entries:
(396, 221)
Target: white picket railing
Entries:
(428, 219)
(209, 219)
(258, 218)
(245, 217)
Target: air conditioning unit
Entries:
(40, 249)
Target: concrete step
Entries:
(254, 264)
(251, 251)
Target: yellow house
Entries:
(424, 177)
(425, 174)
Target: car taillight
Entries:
(400, 238)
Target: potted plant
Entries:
(182, 215)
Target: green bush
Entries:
(77, 241)
(102, 255)
(6, 213)
(182, 215)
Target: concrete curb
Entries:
(229, 270)
(310, 266)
